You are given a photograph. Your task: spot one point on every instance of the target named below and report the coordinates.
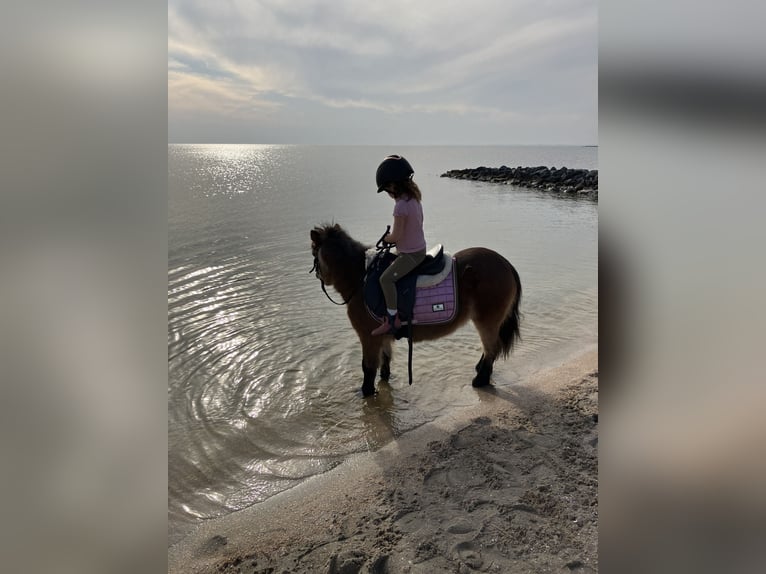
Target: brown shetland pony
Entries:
(489, 293)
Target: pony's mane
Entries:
(335, 238)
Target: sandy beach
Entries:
(509, 486)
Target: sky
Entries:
(356, 72)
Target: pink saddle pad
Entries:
(437, 303)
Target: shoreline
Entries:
(510, 483)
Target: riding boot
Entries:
(389, 325)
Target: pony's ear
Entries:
(317, 237)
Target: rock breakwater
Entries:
(562, 180)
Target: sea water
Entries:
(264, 372)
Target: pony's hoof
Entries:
(368, 391)
(479, 381)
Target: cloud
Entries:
(499, 59)
(190, 93)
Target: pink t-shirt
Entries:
(413, 239)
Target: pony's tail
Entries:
(509, 330)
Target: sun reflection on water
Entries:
(264, 374)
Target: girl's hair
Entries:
(407, 187)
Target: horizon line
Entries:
(391, 144)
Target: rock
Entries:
(581, 182)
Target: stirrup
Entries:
(390, 322)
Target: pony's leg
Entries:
(370, 361)
(489, 334)
(483, 373)
(480, 364)
(385, 356)
(368, 386)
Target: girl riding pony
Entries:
(394, 176)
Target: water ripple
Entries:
(263, 373)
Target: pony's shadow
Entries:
(536, 405)
(381, 423)
(522, 397)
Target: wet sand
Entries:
(508, 486)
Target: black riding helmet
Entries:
(393, 169)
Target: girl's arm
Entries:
(396, 232)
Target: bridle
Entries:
(318, 270)
(381, 245)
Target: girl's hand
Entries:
(393, 237)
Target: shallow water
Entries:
(264, 372)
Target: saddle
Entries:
(426, 295)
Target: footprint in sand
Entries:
(461, 528)
(466, 552)
(348, 562)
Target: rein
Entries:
(315, 267)
(381, 245)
